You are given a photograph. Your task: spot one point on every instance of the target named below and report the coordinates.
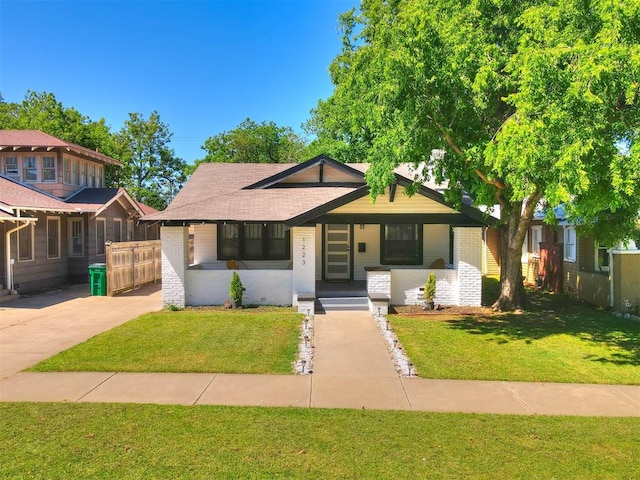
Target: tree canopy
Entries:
(531, 100)
(252, 142)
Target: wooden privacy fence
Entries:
(132, 264)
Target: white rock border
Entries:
(304, 364)
(404, 366)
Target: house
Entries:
(55, 212)
(560, 260)
(292, 229)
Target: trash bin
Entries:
(98, 279)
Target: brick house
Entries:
(295, 231)
(55, 212)
(564, 261)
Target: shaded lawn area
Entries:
(555, 340)
(192, 340)
(152, 441)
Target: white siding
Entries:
(204, 243)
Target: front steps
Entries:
(342, 304)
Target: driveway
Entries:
(35, 328)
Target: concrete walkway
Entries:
(352, 369)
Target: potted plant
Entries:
(429, 293)
(235, 290)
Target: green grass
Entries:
(123, 441)
(555, 340)
(194, 340)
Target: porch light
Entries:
(362, 226)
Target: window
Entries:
(75, 179)
(92, 176)
(117, 230)
(401, 244)
(53, 237)
(83, 174)
(536, 238)
(11, 167)
(25, 244)
(76, 237)
(99, 177)
(29, 169)
(48, 169)
(253, 241)
(101, 225)
(66, 170)
(129, 230)
(602, 259)
(570, 244)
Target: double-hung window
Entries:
(48, 169)
(101, 227)
(66, 171)
(11, 168)
(602, 258)
(29, 169)
(75, 179)
(536, 238)
(53, 237)
(76, 237)
(253, 241)
(25, 243)
(83, 174)
(117, 230)
(401, 244)
(570, 244)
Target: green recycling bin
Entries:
(98, 279)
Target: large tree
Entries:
(151, 172)
(42, 111)
(536, 103)
(252, 142)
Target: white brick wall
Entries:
(304, 262)
(379, 282)
(406, 284)
(175, 258)
(467, 255)
(262, 287)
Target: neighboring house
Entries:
(55, 214)
(291, 227)
(562, 261)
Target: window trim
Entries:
(44, 169)
(597, 267)
(534, 249)
(31, 258)
(79, 220)
(58, 239)
(117, 226)
(419, 240)
(66, 171)
(241, 243)
(16, 167)
(33, 168)
(130, 232)
(570, 231)
(101, 249)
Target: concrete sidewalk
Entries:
(352, 369)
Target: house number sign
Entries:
(304, 254)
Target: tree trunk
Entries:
(512, 292)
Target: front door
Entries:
(337, 264)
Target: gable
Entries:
(322, 173)
(401, 204)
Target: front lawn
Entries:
(555, 340)
(123, 441)
(193, 340)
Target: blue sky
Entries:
(203, 65)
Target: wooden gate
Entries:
(132, 264)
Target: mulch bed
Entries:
(417, 310)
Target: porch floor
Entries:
(353, 288)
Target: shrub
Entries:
(236, 289)
(430, 288)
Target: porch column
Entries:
(467, 260)
(304, 262)
(175, 260)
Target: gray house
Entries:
(56, 214)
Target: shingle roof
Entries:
(16, 195)
(36, 139)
